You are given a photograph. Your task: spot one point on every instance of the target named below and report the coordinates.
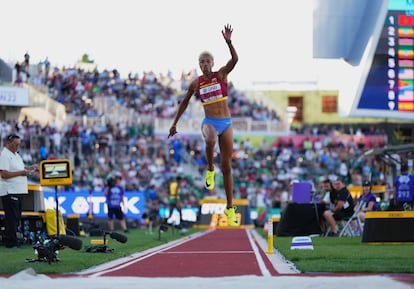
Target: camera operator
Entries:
(114, 194)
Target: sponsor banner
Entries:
(14, 96)
(189, 215)
(83, 203)
(212, 213)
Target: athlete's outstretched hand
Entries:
(173, 131)
(227, 32)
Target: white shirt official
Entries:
(12, 162)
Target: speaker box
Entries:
(72, 223)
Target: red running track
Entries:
(216, 253)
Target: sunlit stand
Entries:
(55, 173)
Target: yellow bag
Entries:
(50, 221)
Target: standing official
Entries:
(114, 193)
(13, 184)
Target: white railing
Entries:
(110, 111)
(240, 125)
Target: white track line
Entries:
(259, 258)
(281, 265)
(127, 261)
(208, 252)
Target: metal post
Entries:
(270, 236)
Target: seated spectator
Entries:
(343, 206)
(369, 200)
(328, 190)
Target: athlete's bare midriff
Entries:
(217, 110)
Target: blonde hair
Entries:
(206, 53)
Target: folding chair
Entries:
(347, 229)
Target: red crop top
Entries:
(213, 90)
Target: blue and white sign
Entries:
(83, 203)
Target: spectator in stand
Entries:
(26, 59)
(18, 68)
(46, 64)
(211, 87)
(177, 150)
(26, 64)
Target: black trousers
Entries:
(12, 205)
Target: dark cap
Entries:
(11, 137)
(341, 179)
(366, 183)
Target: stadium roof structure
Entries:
(372, 43)
(387, 153)
(343, 28)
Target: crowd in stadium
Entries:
(147, 162)
(150, 94)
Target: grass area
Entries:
(14, 260)
(347, 254)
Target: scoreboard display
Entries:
(389, 86)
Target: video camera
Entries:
(104, 248)
(47, 249)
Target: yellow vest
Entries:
(173, 190)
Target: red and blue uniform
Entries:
(213, 90)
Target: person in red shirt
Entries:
(211, 87)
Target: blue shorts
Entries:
(220, 124)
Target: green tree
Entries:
(85, 58)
